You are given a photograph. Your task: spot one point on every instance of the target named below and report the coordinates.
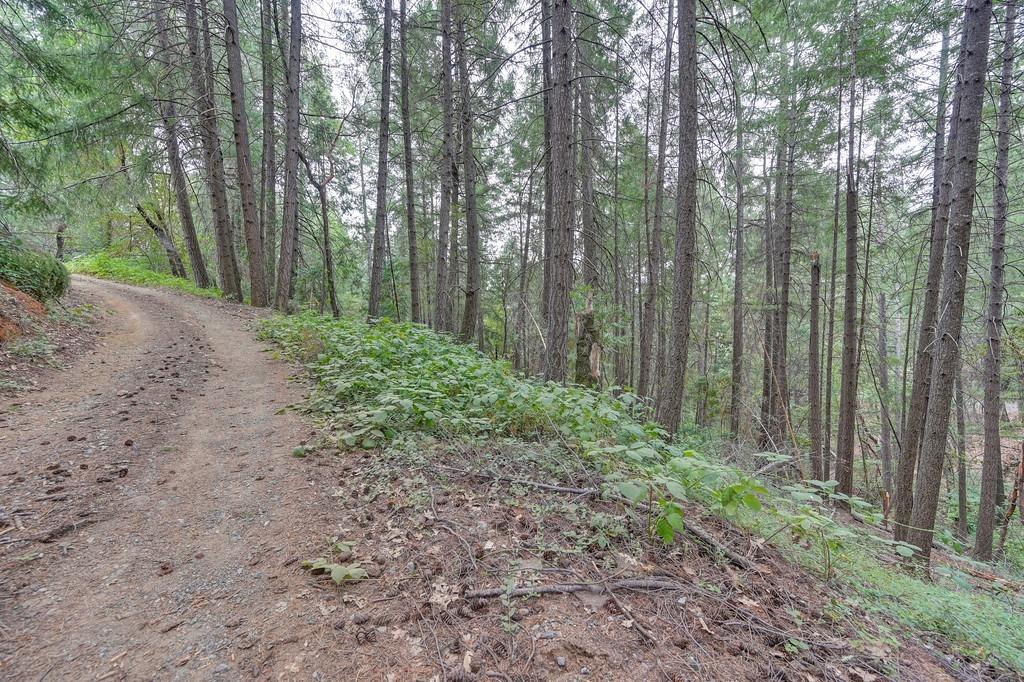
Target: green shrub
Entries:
(385, 384)
(33, 272)
(106, 266)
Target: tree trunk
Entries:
(59, 253)
(961, 458)
(826, 455)
(848, 380)
(588, 342)
(243, 160)
(736, 384)
(885, 439)
(549, 209)
(655, 255)
(992, 462)
(443, 303)
(410, 199)
(471, 311)
(325, 225)
(563, 209)
(169, 117)
(814, 370)
(943, 162)
(380, 225)
(268, 158)
(523, 309)
(202, 81)
(670, 399)
(160, 230)
(977, 20)
(290, 223)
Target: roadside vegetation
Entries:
(38, 274)
(399, 388)
(127, 271)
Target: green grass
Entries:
(105, 266)
(33, 272)
(385, 385)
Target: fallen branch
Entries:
(567, 588)
(61, 531)
(644, 631)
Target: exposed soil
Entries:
(34, 340)
(151, 509)
(154, 519)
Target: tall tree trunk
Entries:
(766, 441)
(290, 223)
(670, 399)
(814, 370)
(549, 209)
(243, 160)
(169, 117)
(166, 243)
(848, 380)
(943, 163)
(977, 20)
(826, 455)
(443, 303)
(471, 311)
(562, 200)
(588, 342)
(202, 81)
(618, 293)
(383, 135)
(992, 462)
(655, 254)
(268, 157)
(780, 345)
(410, 199)
(736, 384)
(885, 440)
(523, 308)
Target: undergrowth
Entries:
(31, 271)
(106, 266)
(392, 382)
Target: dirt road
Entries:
(158, 513)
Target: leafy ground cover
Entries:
(107, 266)
(594, 490)
(35, 273)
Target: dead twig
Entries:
(567, 588)
(645, 633)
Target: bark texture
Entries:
(383, 135)
(992, 461)
(243, 160)
(673, 380)
(977, 20)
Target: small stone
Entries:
(584, 670)
(560, 661)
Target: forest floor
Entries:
(154, 519)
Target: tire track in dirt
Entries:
(156, 511)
